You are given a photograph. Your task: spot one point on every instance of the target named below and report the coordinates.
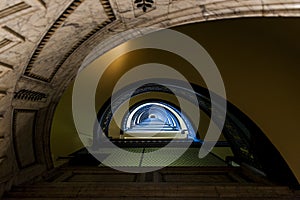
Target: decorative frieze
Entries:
(66, 24)
(30, 95)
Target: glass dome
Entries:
(156, 120)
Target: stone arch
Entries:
(249, 144)
(26, 32)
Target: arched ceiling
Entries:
(43, 43)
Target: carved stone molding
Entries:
(24, 123)
(143, 6)
(29, 95)
(35, 70)
(13, 9)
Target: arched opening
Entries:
(156, 120)
(242, 136)
(44, 44)
(248, 142)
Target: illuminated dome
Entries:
(156, 120)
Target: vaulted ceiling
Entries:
(43, 43)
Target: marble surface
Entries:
(57, 52)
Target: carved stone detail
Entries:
(24, 122)
(30, 95)
(58, 25)
(13, 9)
(3, 93)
